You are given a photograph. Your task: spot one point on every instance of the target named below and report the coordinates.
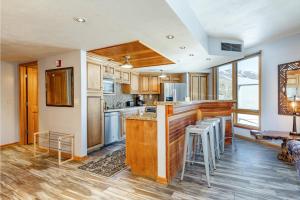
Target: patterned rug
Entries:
(107, 166)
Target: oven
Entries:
(109, 86)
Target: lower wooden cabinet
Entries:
(95, 122)
(198, 86)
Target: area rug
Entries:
(107, 166)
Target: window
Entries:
(248, 92)
(248, 83)
(224, 82)
(240, 80)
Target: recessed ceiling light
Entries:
(182, 47)
(170, 37)
(79, 19)
(191, 54)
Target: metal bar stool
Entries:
(215, 123)
(223, 131)
(202, 132)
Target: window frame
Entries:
(237, 111)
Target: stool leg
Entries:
(223, 134)
(217, 134)
(212, 146)
(186, 142)
(205, 154)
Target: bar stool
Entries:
(215, 123)
(223, 131)
(202, 132)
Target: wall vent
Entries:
(225, 46)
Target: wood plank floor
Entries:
(248, 171)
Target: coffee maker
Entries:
(139, 101)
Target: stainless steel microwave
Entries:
(109, 86)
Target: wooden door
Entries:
(195, 89)
(203, 87)
(154, 84)
(28, 102)
(144, 84)
(95, 136)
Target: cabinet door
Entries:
(203, 87)
(134, 83)
(144, 84)
(154, 84)
(94, 121)
(126, 77)
(109, 70)
(118, 75)
(93, 77)
(195, 89)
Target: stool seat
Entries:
(215, 135)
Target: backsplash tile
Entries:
(112, 100)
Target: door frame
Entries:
(23, 98)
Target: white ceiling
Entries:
(253, 21)
(37, 29)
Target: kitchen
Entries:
(116, 92)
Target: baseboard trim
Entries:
(9, 144)
(54, 152)
(80, 158)
(277, 146)
(162, 180)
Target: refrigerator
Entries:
(173, 91)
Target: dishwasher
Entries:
(112, 127)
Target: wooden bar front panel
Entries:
(141, 147)
(175, 151)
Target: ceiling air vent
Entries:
(231, 47)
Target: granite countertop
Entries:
(190, 102)
(144, 116)
(123, 109)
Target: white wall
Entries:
(274, 53)
(66, 119)
(9, 103)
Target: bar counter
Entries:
(154, 143)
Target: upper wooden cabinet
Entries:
(109, 70)
(173, 78)
(118, 75)
(126, 77)
(198, 86)
(122, 76)
(133, 86)
(94, 80)
(149, 84)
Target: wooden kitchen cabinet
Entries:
(149, 84)
(198, 86)
(173, 78)
(144, 83)
(95, 122)
(118, 75)
(133, 86)
(109, 70)
(94, 78)
(126, 77)
(154, 84)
